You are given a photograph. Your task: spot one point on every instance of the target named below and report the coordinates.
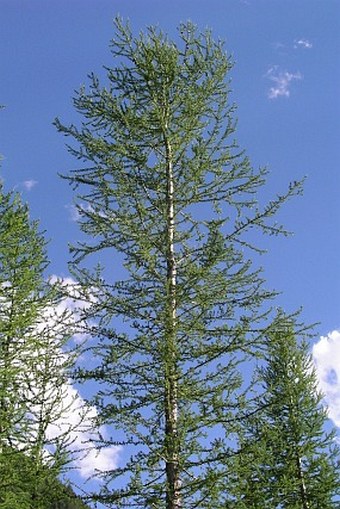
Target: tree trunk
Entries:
(173, 497)
(302, 484)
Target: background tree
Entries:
(33, 367)
(167, 193)
(290, 460)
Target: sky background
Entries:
(285, 83)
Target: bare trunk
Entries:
(173, 496)
(303, 489)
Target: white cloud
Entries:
(76, 421)
(282, 81)
(326, 354)
(67, 314)
(77, 418)
(29, 184)
(74, 214)
(279, 45)
(302, 43)
(77, 211)
(98, 460)
(72, 420)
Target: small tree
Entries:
(166, 191)
(290, 461)
(33, 367)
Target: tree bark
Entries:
(302, 484)
(173, 496)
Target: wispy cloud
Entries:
(279, 45)
(326, 354)
(74, 214)
(76, 211)
(29, 184)
(302, 43)
(282, 81)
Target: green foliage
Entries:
(33, 369)
(25, 487)
(165, 189)
(22, 261)
(289, 460)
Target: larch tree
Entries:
(166, 199)
(33, 367)
(290, 457)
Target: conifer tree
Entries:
(33, 369)
(167, 198)
(289, 460)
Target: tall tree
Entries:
(289, 461)
(33, 369)
(166, 192)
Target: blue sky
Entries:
(286, 85)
